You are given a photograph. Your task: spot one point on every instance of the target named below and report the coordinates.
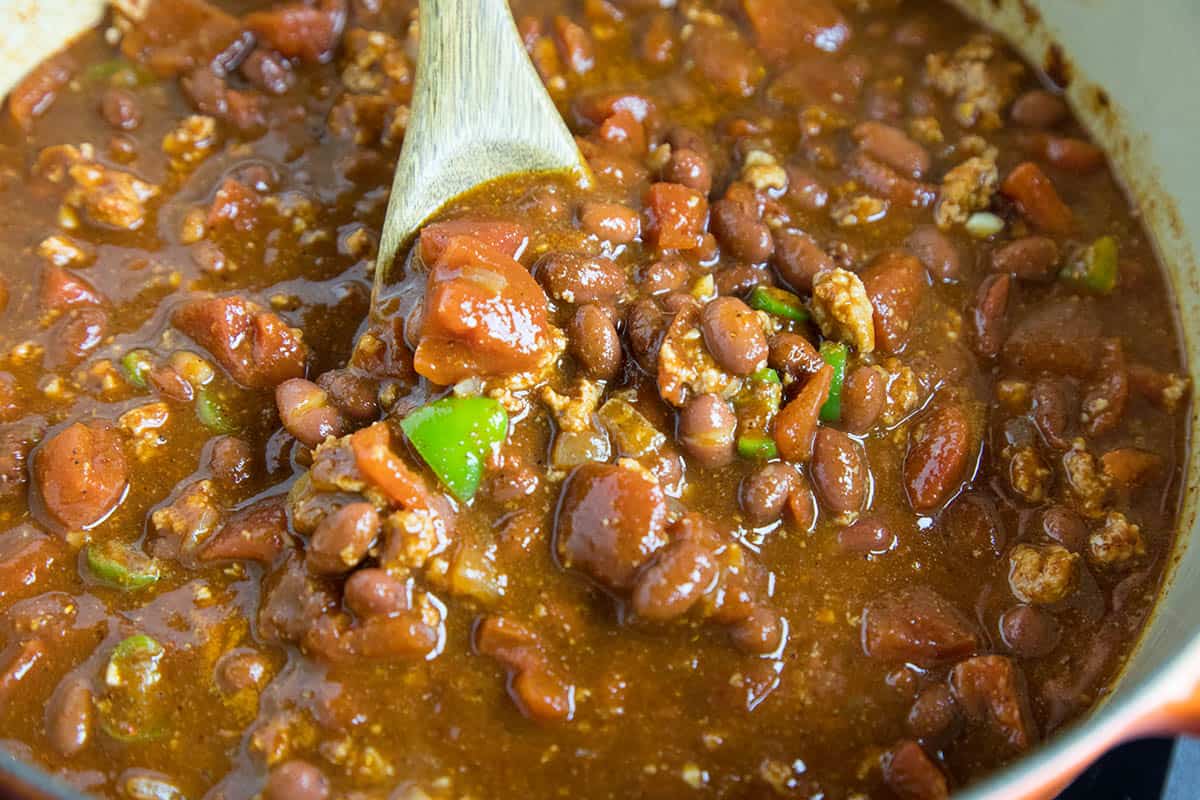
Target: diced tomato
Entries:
(506, 236)
(484, 314)
(379, 464)
(596, 108)
(1037, 198)
(235, 204)
(783, 27)
(178, 35)
(255, 346)
(300, 31)
(62, 289)
(676, 216)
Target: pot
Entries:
(1126, 70)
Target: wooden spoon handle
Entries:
(479, 112)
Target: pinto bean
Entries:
(690, 168)
(343, 538)
(764, 493)
(1053, 409)
(673, 581)
(738, 225)
(759, 632)
(81, 473)
(577, 278)
(706, 430)
(612, 222)
(120, 109)
(865, 537)
(242, 669)
(839, 471)
(1066, 527)
(661, 277)
(917, 624)
(69, 716)
(1038, 108)
(374, 592)
(740, 279)
(991, 306)
(1037, 199)
(356, 396)
(610, 522)
(1032, 258)
(1106, 399)
(734, 335)
(893, 147)
(594, 341)
(296, 780)
(1029, 631)
(864, 395)
(895, 282)
(793, 355)
(306, 412)
(936, 462)
(796, 423)
(645, 325)
(805, 190)
(934, 713)
(798, 259)
(936, 252)
(257, 532)
(801, 508)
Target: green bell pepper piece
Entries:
(757, 447)
(210, 412)
(119, 72)
(129, 710)
(454, 435)
(778, 302)
(136, 364)
(1096, 268)
(120, 565)
(766, 375)
(834, 354)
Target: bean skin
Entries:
(866, 536)
(69, 716)
(1038, 108)
(706, 430)
(793, 355)
(759, 633)
(893, 147)
(739, 227)
(594, 341)
(1032, 258)
(895, 282)
(306, 412)
(689, 168)
(672, 583)
(991, 306)
(864, 395)
(645, 325)
(577, 278)
(82, 473)
(342, 539)
(798, 258)
(296, 780)
(734, 335)
(936, 252)
(374, 592)
(612, 222)
(1029, 631)
(839, 471)
(764, 493)
(936, 462)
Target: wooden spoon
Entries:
(479, 112)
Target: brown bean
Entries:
(798, 258)
(120, 109)
(612, 222)
(231, 461)
(992, 689)
(690, 168)
(916, 624)
(343, 538)
(296, 780)
(82, 474)
(796, 423)
(242, 669)
(936, 462)
(738, 225)
(869, 536)
(69, 716)
(403, 635)
(934, 712)
(661, 277)
(645, 325)
(542, 696)
(801, 506)
(578, 278)
(839, 471)
(764, 493)
(805, 190)
(793, 355)
(594, 341)
(758, 633)
(991, 306)
(912, 775)
(1029, 631)
(740, 279)
(1038, 108)
(306, 413)
(864, 395)
(1066, 527)
(268, 71)
(734, 335)
(375, 592)
(1071, 154)
(356, 396)
(1053, 407)
(895, 282)
(706, 430)
(610, 521)
(893, 147)
(672, 583)
(1033, 258)
(936, 252)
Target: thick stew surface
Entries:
(829, 445)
